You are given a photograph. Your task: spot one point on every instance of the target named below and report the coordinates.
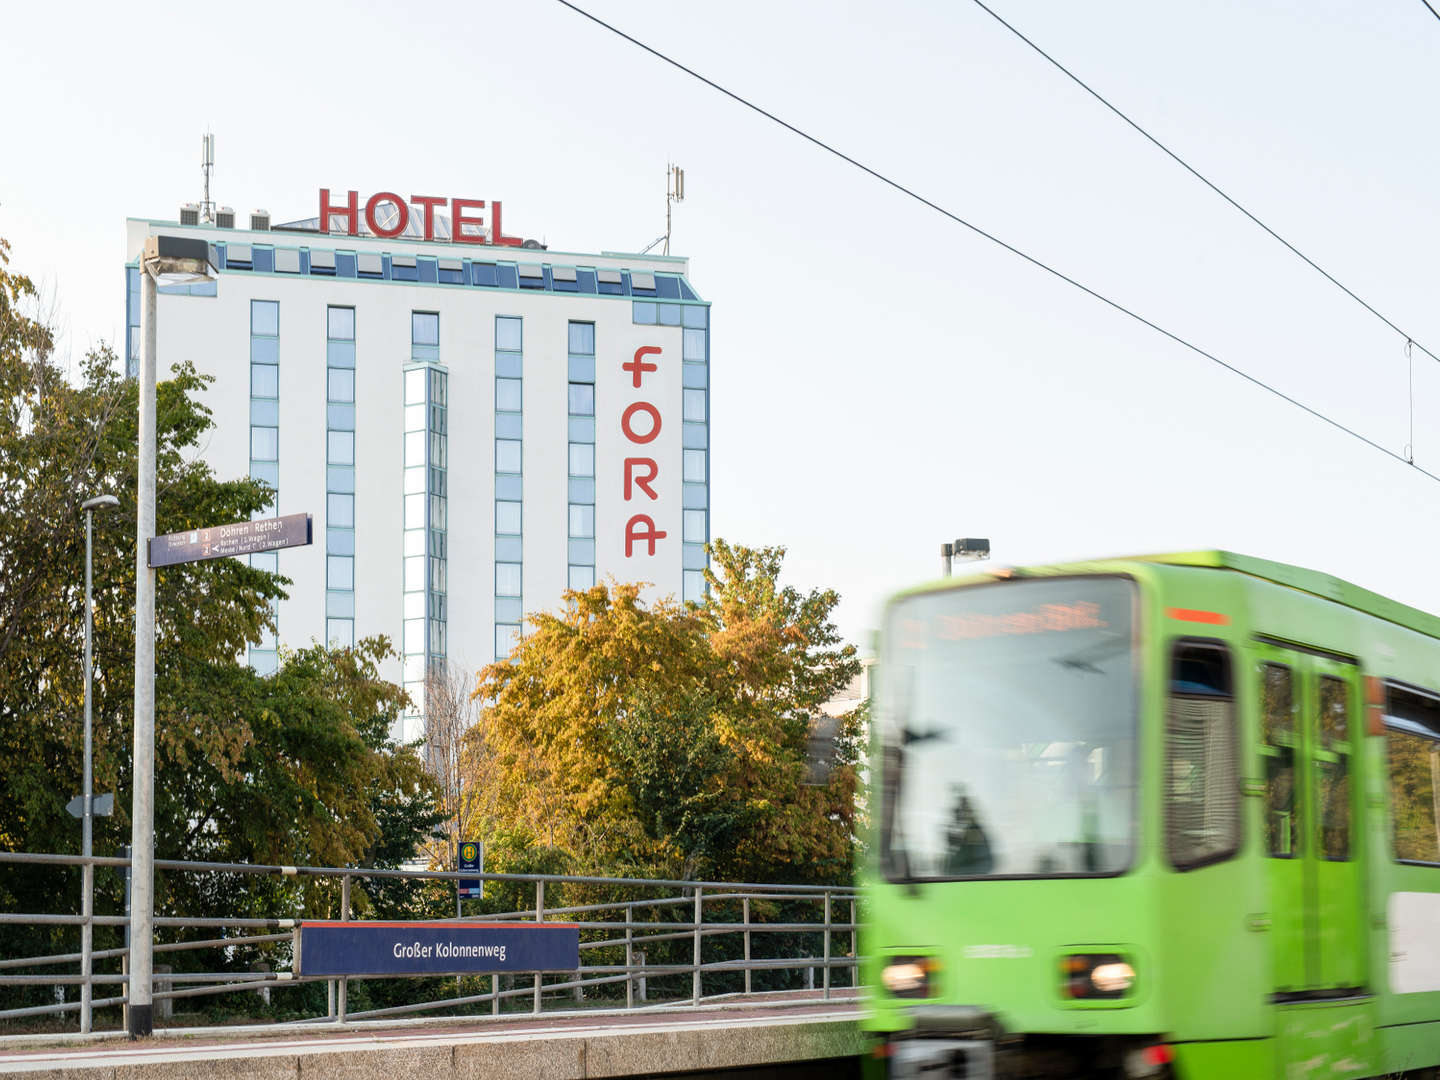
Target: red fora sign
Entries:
(640, 423)
(467, 216)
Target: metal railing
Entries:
(628, 931)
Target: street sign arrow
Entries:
(100, 805)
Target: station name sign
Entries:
(468, 217)
(434, 948)
(222, 541)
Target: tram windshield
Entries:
(1008, 719)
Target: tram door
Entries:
(1309, 712)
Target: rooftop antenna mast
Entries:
(674, 192)
(207, 166)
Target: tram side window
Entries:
(1332, 769)
(1278, 736)
(1202, 804)
(1412, 723)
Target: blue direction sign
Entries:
(434, 948)
(471, 856)
(221, 541)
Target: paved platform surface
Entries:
(562, 1047)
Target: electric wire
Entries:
(977, 230)
(1173, 156)
(1430, 9)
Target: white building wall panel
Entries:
(214, 333)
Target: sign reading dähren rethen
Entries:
(435, 948)
(221, 541)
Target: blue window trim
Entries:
(490, 271)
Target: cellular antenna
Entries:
(207, 166)
(674, 192)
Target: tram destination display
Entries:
(223, 541)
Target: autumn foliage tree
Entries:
(670, 740)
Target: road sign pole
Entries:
(142, 815)
(87, 872)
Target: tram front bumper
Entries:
(932, 1059)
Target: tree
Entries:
(449, 713)
(295, 768)
(670, 740)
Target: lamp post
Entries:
(967, 548)
(177, 259)
(87, 790)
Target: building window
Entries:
(425, 511)
(509, 466)
(507, 517)
(265, 441)
(580, 567)
(582, 459)
(582, 521)
(582, 399)
(424, 328)
(508, 578)
(695, 532)
(509, 333)
(508, 396)
(340, 324)
(507, 636)
(340, 476)
(507, 456)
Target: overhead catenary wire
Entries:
(977, 230)
(1173, 156)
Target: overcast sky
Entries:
(882, 379)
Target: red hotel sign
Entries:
(465, 214)
(640, 424)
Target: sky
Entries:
(882, 378)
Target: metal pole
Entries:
(854, 947)
(345, 917)
(745, 904)
(695, 978)
(947, 558)
(826, 994)
(125, 957)
(629, 956)
(87, 872)
(142, 814)
(539, 917)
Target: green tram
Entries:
(1175, 815)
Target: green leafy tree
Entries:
(295, 768)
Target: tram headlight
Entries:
(908, 976)
(1112, 978)
(1096, 976)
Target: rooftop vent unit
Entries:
(260, 220)
(189, 213)
(225, 217)
(533, 245)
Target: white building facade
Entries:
(474, 427)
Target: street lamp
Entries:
(176, 259)
(87, 797)
(967, 548)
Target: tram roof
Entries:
(1314, 582)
